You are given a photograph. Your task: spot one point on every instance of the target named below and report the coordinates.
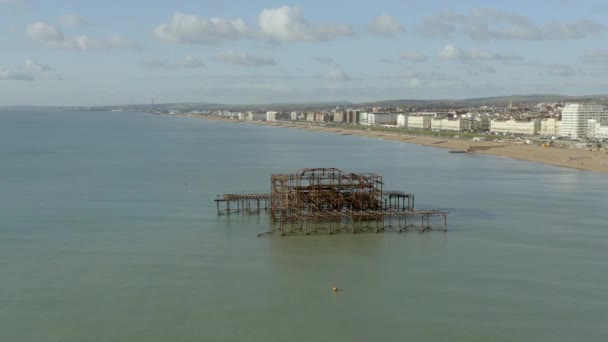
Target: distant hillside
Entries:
(488, 101)
(437, 104)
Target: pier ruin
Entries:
(330, 201)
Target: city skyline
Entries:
(261, 52)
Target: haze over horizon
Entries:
(70, 54)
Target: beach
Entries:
(580, 159)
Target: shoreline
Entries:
(579, 159)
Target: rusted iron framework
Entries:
(328, 200)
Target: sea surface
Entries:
(108, 232)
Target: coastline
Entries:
(578, 159)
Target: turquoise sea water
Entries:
(108, 232)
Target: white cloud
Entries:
(72, 20)
(188, 62)
(325, 60)
(282, 24)
(419, 79)
(36, 67)
(9, 75)
(337, 75)
(413, 56)
(287, 24)
(451, 52)
(385, 25)
(487, 24)
(561, 70)
(596, 55)
(186, 28)
(244, 59)
(436, 27)
(51, 36)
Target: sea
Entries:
(109, 232)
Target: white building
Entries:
(362, 118)
(458, 125)
(339, 116)
(550, 126)
(575, 117)
(271, 116)
(419, 122)
(402, 120)
(254, 116)
(515, 127)
(597, 129)
(381, 119)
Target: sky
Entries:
(78, 53)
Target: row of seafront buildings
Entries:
(577, 120)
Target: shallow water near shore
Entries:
(108, 232)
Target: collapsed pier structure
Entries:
(330, 201)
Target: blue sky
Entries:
(116, 52)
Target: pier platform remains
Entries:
(330, 201)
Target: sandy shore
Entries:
(571, 158)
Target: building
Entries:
(515, 127)
(321, 117)
(458, 125)
(339, 116)
(362, 118)
(479, 124)
(271, 116)
(254, 116)
(402, 120)
(310, 117)
(575, 117)
(419, 122)
(293, 116)
(382, 118)
(550, 127)
(352, 116)
(597, 129)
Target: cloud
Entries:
(436, 27)
(451, 52)
(555, 69)
(36, 67)
(72, 20)
(387, 60)
(561, 70)
(287, 24)
(488, 24)
(188, 62)
(596, 55)
(325, 60)
(244, 59)
(413, 56)
(417, 79)
(385, 25)
(281, 25)
(8, 75)
(190, 29)
(52, 36)
(337, 75)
